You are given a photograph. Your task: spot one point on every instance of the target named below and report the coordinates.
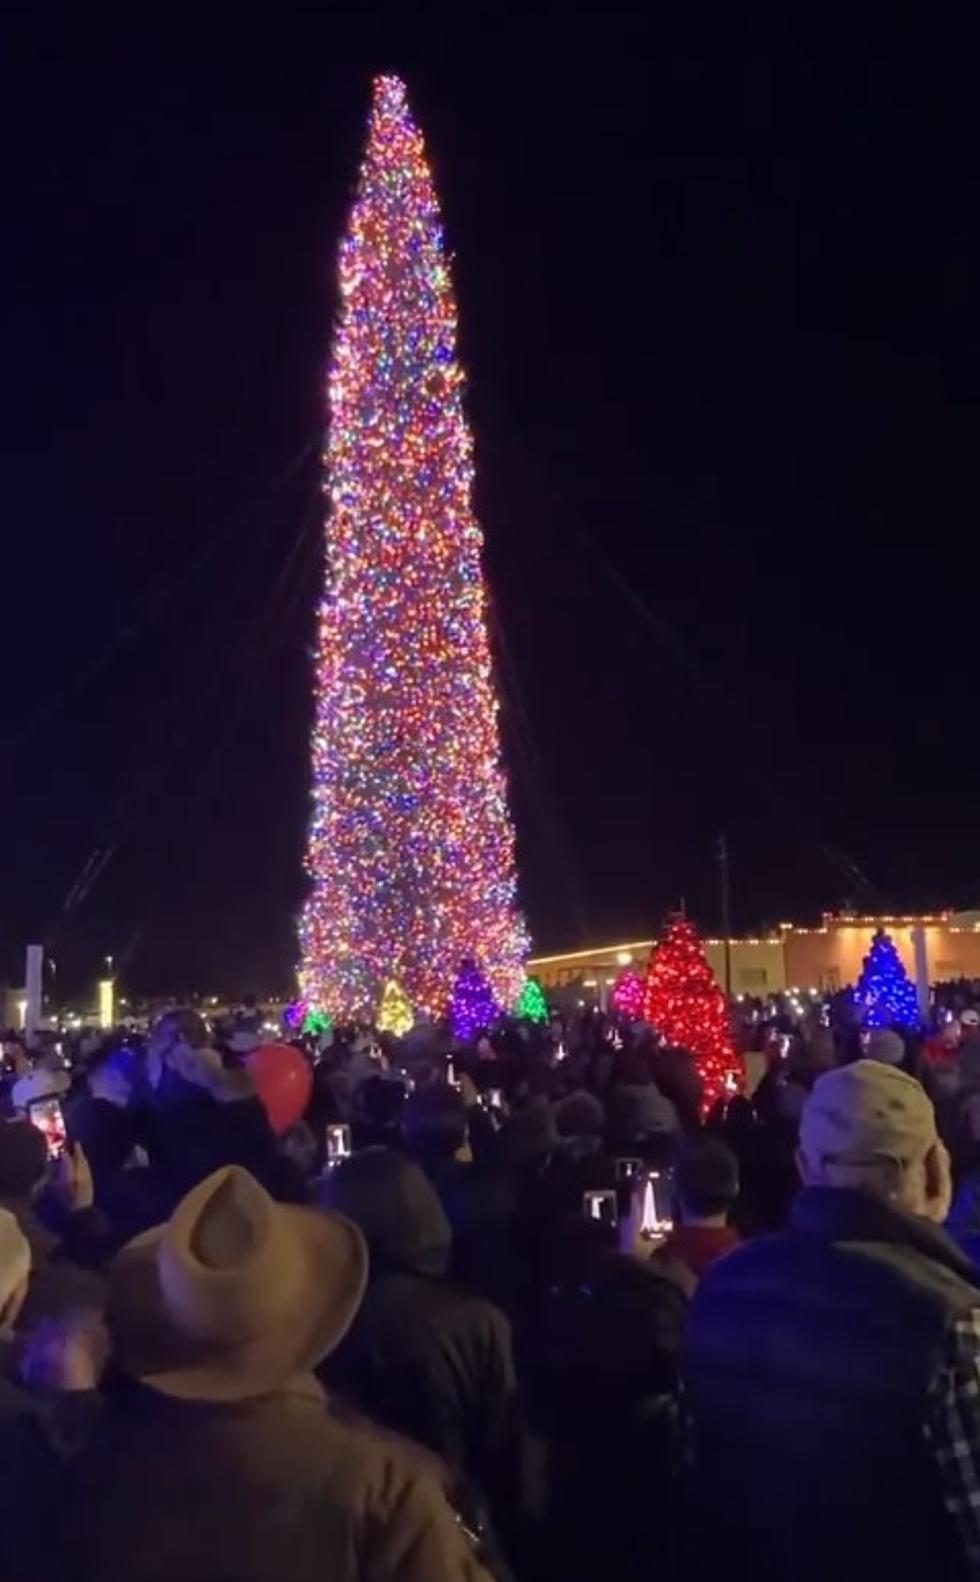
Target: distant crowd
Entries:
(517, 1310)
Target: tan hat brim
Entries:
(151, 1348)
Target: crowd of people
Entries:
(519, 1310)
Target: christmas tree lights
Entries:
(885, 993)
(473, 1009)
(411, 847)
(395, 1011)
(685, 1003)
(316, 1024)
(628, 994)
(532, 1004)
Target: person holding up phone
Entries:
(42, 1194)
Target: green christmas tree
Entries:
(532, 1004)
(317, 1022)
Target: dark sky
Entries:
(717, 297)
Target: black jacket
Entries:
(808, 1366)
(421, 1356)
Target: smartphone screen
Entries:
(451, 1076)
(47, 1116)
(338, 1144)
(657, 1212)
(628, 1169)
(601, 1206)
(495, 1099)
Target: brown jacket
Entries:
(272, 1490)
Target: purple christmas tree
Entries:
(473, 1009)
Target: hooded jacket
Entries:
(421, 1356)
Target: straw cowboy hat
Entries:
(235, 1293)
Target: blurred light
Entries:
(106, 1004)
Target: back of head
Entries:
(580, 1115)
(23, 1158)
(434, 1121)
(398, 1210)
(871, 1126)
(706, 1178)
(886, 1046)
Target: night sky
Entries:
(717, 301)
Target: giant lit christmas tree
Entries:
(885, 993)
(411, 847)
(685, 1003)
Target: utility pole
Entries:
(721, 851)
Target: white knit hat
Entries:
(15, 1256)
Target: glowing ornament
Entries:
(395, 1011)
(686, 1005)
(411, 848)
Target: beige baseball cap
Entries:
(864, 1113)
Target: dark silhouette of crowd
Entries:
(519, 1310)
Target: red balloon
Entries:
(284, 1082)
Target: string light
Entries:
(884, 991)
(473, 1009)
(411, 846)
(395, 1011)
(628, 994)
(532, 1004)
(685, 1003)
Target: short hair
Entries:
(434, 1119)
(706, 1177)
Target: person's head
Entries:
(970, 1026)
(950, 1034)
(870, 1126)
(396, 1207)
(15, 1270)
(885, 1045)
(236, 1294)
(23, 1159)
(706, 1180)
(580, 1115)
(434, 1121)
(175, 1030)
(181, 1043)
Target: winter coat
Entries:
(809, 1367)
(269, 1490)
(422, 1357)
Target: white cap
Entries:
(39, 1084)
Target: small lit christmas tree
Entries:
(685, 1003)
(885, 994)
(317, 1023)
(473, 1008)
(394, 1011)
(628, 994)
(532, 1004)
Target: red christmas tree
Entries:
(684, 1002)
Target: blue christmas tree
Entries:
(885, 994)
